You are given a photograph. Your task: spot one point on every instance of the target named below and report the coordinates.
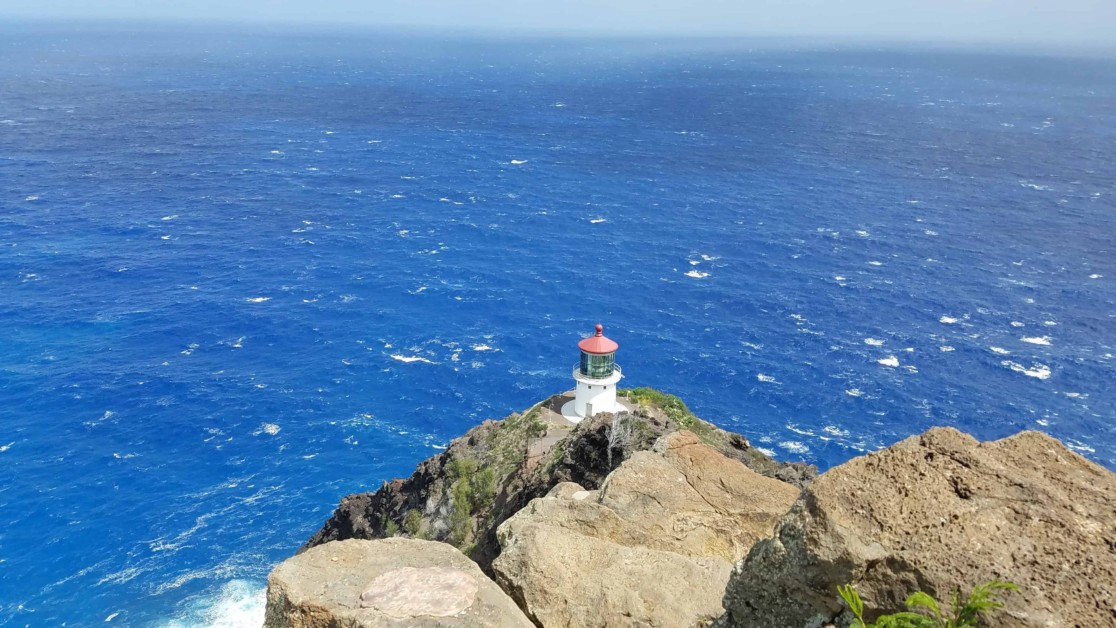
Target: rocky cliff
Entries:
(655, 518)
(463, 494)
(936, 512)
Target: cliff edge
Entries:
(463, 494)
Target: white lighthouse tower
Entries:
(596, 377)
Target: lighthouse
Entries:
(596, 375)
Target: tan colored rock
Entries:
(385, 583)
(686, 497)
(934, 512)
(653, 547)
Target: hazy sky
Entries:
(1063, 22)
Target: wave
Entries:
(239, 604)
(409, 358)
(1038, 371)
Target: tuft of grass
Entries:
(672, 406)
(967, 615)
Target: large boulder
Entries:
(387, 583)
(935, 512)
(653, 547)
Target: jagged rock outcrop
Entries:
(387, 583)
(463, 494)
(934, 512)
(653, 547)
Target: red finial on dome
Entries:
(598, 344)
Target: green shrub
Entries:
(672, 406)
(412, 522)
(482, 486)
(965, 615)
(460, 520)
(391, 528)
(462, 468)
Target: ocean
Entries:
(247, 273)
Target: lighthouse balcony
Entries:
(600, 377)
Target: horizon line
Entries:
(1036, 47)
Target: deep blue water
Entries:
(244, 275)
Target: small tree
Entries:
(965, 615)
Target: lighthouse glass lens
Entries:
(597, 365)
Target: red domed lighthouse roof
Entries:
(598, 344)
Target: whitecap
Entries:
(1037, 340)
(31, 198)
(1080, 447)
(1049, 323)
(862, 233)
(1095, 276)
(946, 349)
(4, 448)
(873, 342)
(766, 378)
(709, 258)
(518, 162)
(794, 447)
(948, 320)
(930, 232)
(854, 392)
(276, 152)
(838, 278)
(239, 604)
(770, 453)
(257, 299)
(597, 221)
(1038, 371)
(270, 429)
(1016, 324)
(890, 360)
(999, 350)
(875, 263)
(482, 347)
(833, 430)
(409, 358)
(170, 217)
(697, 274)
